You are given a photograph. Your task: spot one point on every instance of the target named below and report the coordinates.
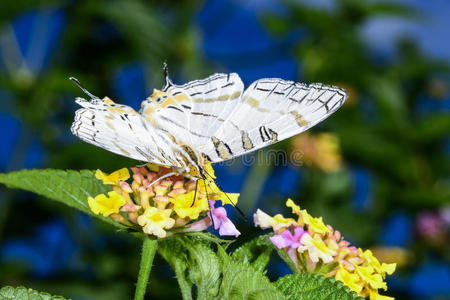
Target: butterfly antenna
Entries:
(168, 82)
(82, 88)
(210, 209)
(241, 213)
(195, 193)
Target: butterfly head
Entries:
(158, 97)
(153, 102)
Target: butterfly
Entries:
(187, 127)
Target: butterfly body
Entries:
(205, 121)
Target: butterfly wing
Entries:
(192, 112)
(211, 116)
(120, 129)
(213, 99)
(269, 111)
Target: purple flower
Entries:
(430, 225)
(286, 239)
(221, 221)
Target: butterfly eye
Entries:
(161, 98)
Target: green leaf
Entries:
(307, 286)
(256, 252)
(22, 293)
(194, 262)
(173, 251)
(283, 255)
(69, 187)
(207, 237)
(214, 273)
(207, 271)
(243, 281)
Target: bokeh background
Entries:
(377, 170)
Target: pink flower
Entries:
(286, 239)
(430, 225)
(221, 221)
(200, 225)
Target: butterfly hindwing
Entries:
(272, 110)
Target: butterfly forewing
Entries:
(120, 129)
(211, 100)
(272, 110)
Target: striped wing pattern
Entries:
(190, 112)
(120, 129)
(213, 99)
(270, 110)
(212, 117)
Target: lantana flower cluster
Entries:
(157, 204)
(317, 248)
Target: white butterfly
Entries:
(205, 121)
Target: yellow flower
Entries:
(349, 279)
(210, 171)
(105, 206)
(375, 264)
(263, 220)
(360, 271)
(375, 280)
(114, 177)
(277, 222)
(315, 225)
(210, 187)
(153, 168)
(321, 150)
(154, 221)
(316, 248)
(295, 207)
(375, 296)
(182, 205)
(329, 158)
(214, 193)
(282, 222)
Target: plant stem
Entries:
(148, 253)
(185, 286)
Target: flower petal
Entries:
(279, 241)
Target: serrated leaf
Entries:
(308, 286)
(69, 187)
(194, 262)
(23, 293)
(205, 269)
(207, 237)
(214, 274)
(256, 252)
(243, 281)
(176, 255)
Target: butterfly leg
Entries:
(210, 209)
(241, 213)
(162, 177)
(195, 193)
